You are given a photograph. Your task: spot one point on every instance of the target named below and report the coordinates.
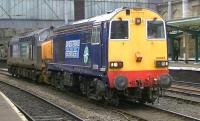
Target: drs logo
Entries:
(72, 48)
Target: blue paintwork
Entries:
(91, 57)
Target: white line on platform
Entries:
(14, 107)
(184, 68)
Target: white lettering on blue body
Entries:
(72, 48)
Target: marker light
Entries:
(116, 64)
(161, 63)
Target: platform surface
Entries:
(181, 65)
(8, 112)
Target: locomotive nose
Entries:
(165, 81)
(121, 83)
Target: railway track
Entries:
(184, 83)
(128, 115)
(182, 99)
(152, 111)
(34, 107)
(186, 90)
(131, 115)
(186, 87)
(176, 114)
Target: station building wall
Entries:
(177, 13)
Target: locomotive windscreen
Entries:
(119, 30)
(155, 30)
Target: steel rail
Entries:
(174, 113)
(187, 83)
(128, 114)
(41, 98)
(30, 118)
(184, 91)
(182, 99)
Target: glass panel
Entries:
(88, 37)
(93, 35)
(43, 36)
(155, 30)
(96, 35)
(26, 50)
(15, 50)
(119, 30)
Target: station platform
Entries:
(181, 65)
(182, 71)
(8, 111)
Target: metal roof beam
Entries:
(185, 30)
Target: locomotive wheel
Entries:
(111, 98)
(52, 79)
(115, 100)
(57, 83)
(154, 94)
(62, 86)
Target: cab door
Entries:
(96, 46)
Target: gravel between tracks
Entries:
(91, 112)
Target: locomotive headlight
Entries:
(160, 64)
(116, 64)
(166, 63)
(111, 64)
(138, 21)
(163, 63)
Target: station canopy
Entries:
(191, 24)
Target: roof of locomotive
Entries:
(100, 18)
(29, 34)
(36, 32)
(96, 19)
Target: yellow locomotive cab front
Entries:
(137, 49)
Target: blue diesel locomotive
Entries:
(107, 57)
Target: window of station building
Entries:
(155, 30)
(119, 30)
(96, 33)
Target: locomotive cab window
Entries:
(155, 30)
(96, 35)
(119, 30)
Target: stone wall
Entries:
(194, 9)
